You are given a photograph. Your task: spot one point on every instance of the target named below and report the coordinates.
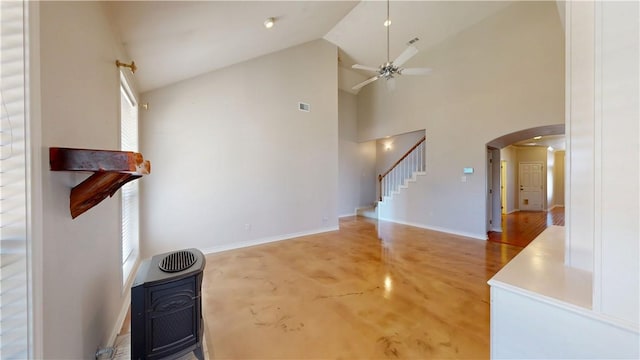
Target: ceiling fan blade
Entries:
(407, 54)
(362, 67)
(366, 82)
(415, 71)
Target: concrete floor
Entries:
(371, 290)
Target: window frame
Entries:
(129, 262)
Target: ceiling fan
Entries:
(390, 69)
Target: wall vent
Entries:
(304, 107)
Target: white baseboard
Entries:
(512, 211)
(366, 207)
(347, 215)
(440, 229)
(496, 229)
(124, 308)
(266, 240)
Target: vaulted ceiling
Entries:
(176, 40)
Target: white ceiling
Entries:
(361, 36)
(175, 40)
(557, 142)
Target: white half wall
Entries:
(503, 75)
(617, 149)
(408, 207)
(79, 90)
(235, 161)
(603, 192)
(580, 128)
(528, 327)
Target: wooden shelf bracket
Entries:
(111, 170)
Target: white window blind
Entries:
(129, 192)
(14, 303)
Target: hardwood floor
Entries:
(371, 290)
(520, 228)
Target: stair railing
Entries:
(412, 161)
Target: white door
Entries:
(503, 186)
(530, 186)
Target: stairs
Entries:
(405, 171)
(369, 212)
(403, 185)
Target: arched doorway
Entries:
(525, 184)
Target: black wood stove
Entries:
(166, 307)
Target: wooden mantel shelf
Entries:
(111, 170)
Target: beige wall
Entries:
(356, 161)
(82, 290)
(235, 162)
(500, 76)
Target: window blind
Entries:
(14, 303)
(129, 192)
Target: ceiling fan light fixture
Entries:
(269, 22)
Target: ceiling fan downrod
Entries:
(388, 26)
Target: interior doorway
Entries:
(494, 212)
(503, 187)
(544, 146)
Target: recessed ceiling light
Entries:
(269, 22)
(387, 22)
(537, 137)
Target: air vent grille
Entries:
(304, 107)
(177, 261)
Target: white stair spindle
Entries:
(405, 171)
(393, 180)
(386, 185)
(419, 161)
(413, 161)
(385, 181)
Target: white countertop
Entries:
(539, 271)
